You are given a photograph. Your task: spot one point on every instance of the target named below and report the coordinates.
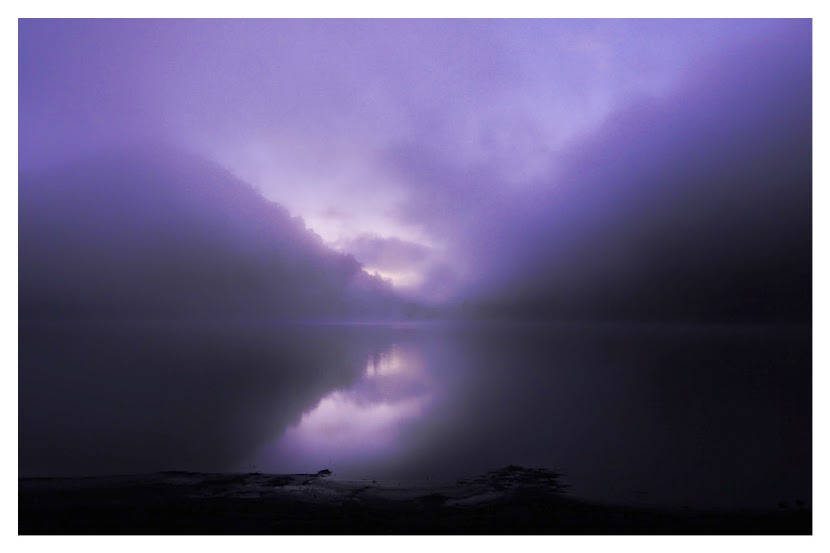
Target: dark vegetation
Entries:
(157, 233)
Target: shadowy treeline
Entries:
(154, 233)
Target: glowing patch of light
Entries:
(387, 364)
(404, 279)
(341, 421)
(365, 420)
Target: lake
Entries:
(714, 416)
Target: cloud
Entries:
(502, 145)
(694, 204)
(391, 254)
(321, 113)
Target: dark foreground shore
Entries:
(512, 500)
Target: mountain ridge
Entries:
(158, 232)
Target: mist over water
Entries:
(143, 396)
(631, 414)
(420, 250)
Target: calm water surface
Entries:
(698, 416)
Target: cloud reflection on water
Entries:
(363, 422)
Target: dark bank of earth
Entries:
(512, 500)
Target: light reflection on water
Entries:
(680, 416)
(364, 421)
(629, 415)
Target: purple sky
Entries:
(395, 140)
